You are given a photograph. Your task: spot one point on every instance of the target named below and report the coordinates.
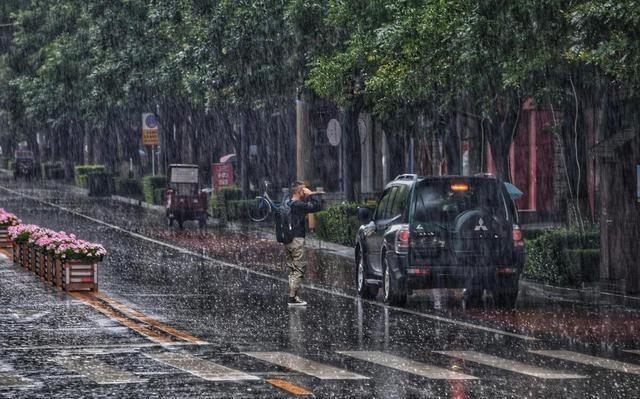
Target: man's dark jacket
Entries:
(299, 210)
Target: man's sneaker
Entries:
(296, 301)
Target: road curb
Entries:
(590, 295)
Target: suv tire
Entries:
(506, 292)
(365, 290)
(394, 291)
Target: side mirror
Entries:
(364, 215)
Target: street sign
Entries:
(334, 132)
(149, 129)
(222, 175)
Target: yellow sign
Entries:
(150, 137)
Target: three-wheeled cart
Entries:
(184, 199)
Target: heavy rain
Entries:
(319, 198)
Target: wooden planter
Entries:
(49, 268)
(77, 274)
(24, 255)
(31, 258)
(16, 252)
(5, 241)
(41, 267)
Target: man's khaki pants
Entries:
(294, 253)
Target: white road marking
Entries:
(200, 367)
(509, 365)
(306, 366)
(407, 365)
(97, 371)
(590, 360)
(272, 277)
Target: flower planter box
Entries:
(16, 253)
(5, 239)
(49, 268)
(77, 274)
(24, 256)
(31, 258)
(41, 267)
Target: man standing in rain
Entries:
(303, 201)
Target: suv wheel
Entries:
(365, 290)
(395, 292)
(473, 296)
(506, 292)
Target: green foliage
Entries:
(338, 224)
(150, 187)
(128, 187)
(52, 170)
(562, 257)
(238, 209)
(158, 196)
(230, 193)
(82, 171)
(100, 184)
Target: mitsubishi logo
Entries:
(481, 226)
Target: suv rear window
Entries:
(443, 201)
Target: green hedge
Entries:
(52, 170)
(82, 171)
(128, 187)
(338, 224)
(238, 209)
(149, 186)
(100, 184)
(563, 257)
(231, 193)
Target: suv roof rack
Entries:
(406, 177)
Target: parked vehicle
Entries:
(24, 164)
(184, 199)
(441, 232)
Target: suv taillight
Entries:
(517, 235)
(402, 240)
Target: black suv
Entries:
(440, 232)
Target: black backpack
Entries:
(282, 215)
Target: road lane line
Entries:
(272, 277)
(97, 371)
(9, 379)
(74, 347)
(588, 360)
(112, 314)
(150, 321)
(200, 367)
(305, 366)
(509, 365)
(407, 365)
(289, 387)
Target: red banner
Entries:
(222, 175)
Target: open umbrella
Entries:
(514, 192)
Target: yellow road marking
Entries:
(289, 387)
(112, 314)
(150, 321)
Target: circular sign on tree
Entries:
(334, 132)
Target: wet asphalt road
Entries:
(52, 345)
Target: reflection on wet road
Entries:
(339, 346)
